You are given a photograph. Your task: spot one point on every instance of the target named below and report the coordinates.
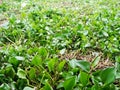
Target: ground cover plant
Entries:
(60, 45)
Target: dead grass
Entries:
(90, 57)
(0, 1)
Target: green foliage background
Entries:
(34, 32)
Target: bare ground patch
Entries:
(90, 56)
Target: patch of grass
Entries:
(60, 45)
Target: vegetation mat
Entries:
(59, 44)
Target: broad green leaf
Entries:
(84, 65)
(28, 88)
(13, 61)
(21, 83)
(117, 75)
(43, 52)
(60, 85)
(75, 70)
(36, 60)
(13, 85)
(114, 50)
(21, 73)
(51, 64)
(32, 73)
(69, 83)
(96, 80)
(117, 58)
(5, 87)
(108, 75)
(96, 87)
(61, 65)
(84, 78)
(79, 27)
(47, 86)
(1, 75)
(73, 63)
(117, 67)
(10, 71)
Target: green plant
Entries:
(36, 36)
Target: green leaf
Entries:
(21, 73)
(62, 51)
(60, 85)
(13, 85)
(84, 65)
(84, 78)
(85, 32)
(117, 58)
(47, 86)
(43, 52)
(20, 58)
(69, 83)
(13, 61)
(105, 33)
(117, 75)
(5, 87)
(21, 83)
(61, 65)
(79, 27)
(10, 71)
(108, 75)
(117, 67)
(110, 87)
(28, 88)
(96, 87)
(32, 73)
(95, 61)
(73, 63)
(51, 64)
(36, 60)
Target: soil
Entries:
(90, 57)
(0, 1)
(2, 22)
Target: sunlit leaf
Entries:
(62, 51)
(21, 73)
(61, 65)
(84, 65)
(117, 58)
(43, 52)
(95, 61)
(51, 64)
(36, 60)
(20, 58)
(28, 88)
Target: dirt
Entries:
(0, 1)
(62, 4)
(90, 57)
(2, 22)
